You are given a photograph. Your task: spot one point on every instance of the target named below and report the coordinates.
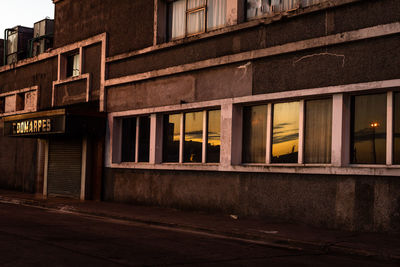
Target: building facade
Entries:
(287, 110)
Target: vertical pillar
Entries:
(156, 138)
(389, 129)
(301, 132)
(269, 135)
(231, 134)
(340, 130)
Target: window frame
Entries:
(301, 133)
(231, 134)
(182, 137)
(189, 11)
(136, 139)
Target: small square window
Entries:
(20, 102)
(73, 65)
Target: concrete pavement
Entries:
(279, 235)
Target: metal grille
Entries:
(64, 168)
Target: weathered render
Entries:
(133, 75)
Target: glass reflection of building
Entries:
(172, 126)
(396, 129)
(254, 134)
(368, 129)
(285, 133)
(213, 135)
(193, 137)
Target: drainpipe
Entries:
(31, 41)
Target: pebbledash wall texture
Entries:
(284, 110)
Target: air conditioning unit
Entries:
(42, 36)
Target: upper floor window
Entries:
(18, 101)
(73, 65)
(257, 8)
(190, 17)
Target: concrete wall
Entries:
(344, 202)
(42, 73)
(356, 62)
(129, 23)
(18, 168)
(189, 87)
(355, 16)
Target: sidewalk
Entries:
(289, 236)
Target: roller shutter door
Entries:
(64, 168)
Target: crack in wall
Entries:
(321, 54)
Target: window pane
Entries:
(196, 22)
(193, 136)
(396, 126)
(128, 140)
(144, 139)
(172, 129)
(285, 136)
(216, 14)
(318, 131)
(254, 134)
(196, 3)
(76, 65)
(369, 129)
(178, 19)
(305, 3)
(213, 135)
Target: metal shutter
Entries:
(64, 168)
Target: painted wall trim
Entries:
(362, 34)
(86, 76)
(337, 89)
(376, 170)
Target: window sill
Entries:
(301, 169)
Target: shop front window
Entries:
(285, 133)
(368, 129)
(254, 134)
(318, 131)
(396, 128)
(172, 135)
(135, 139)
(193, 137)
(213, 135)
(128, 140)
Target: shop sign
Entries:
(31, 126)
(40, 123)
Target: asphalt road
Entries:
(38, 237)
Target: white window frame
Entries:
(231, 132)
(204, 137)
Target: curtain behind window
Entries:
(310, 2)
(216, 14)
(318, 131)
(254, 134)
(178, 19)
